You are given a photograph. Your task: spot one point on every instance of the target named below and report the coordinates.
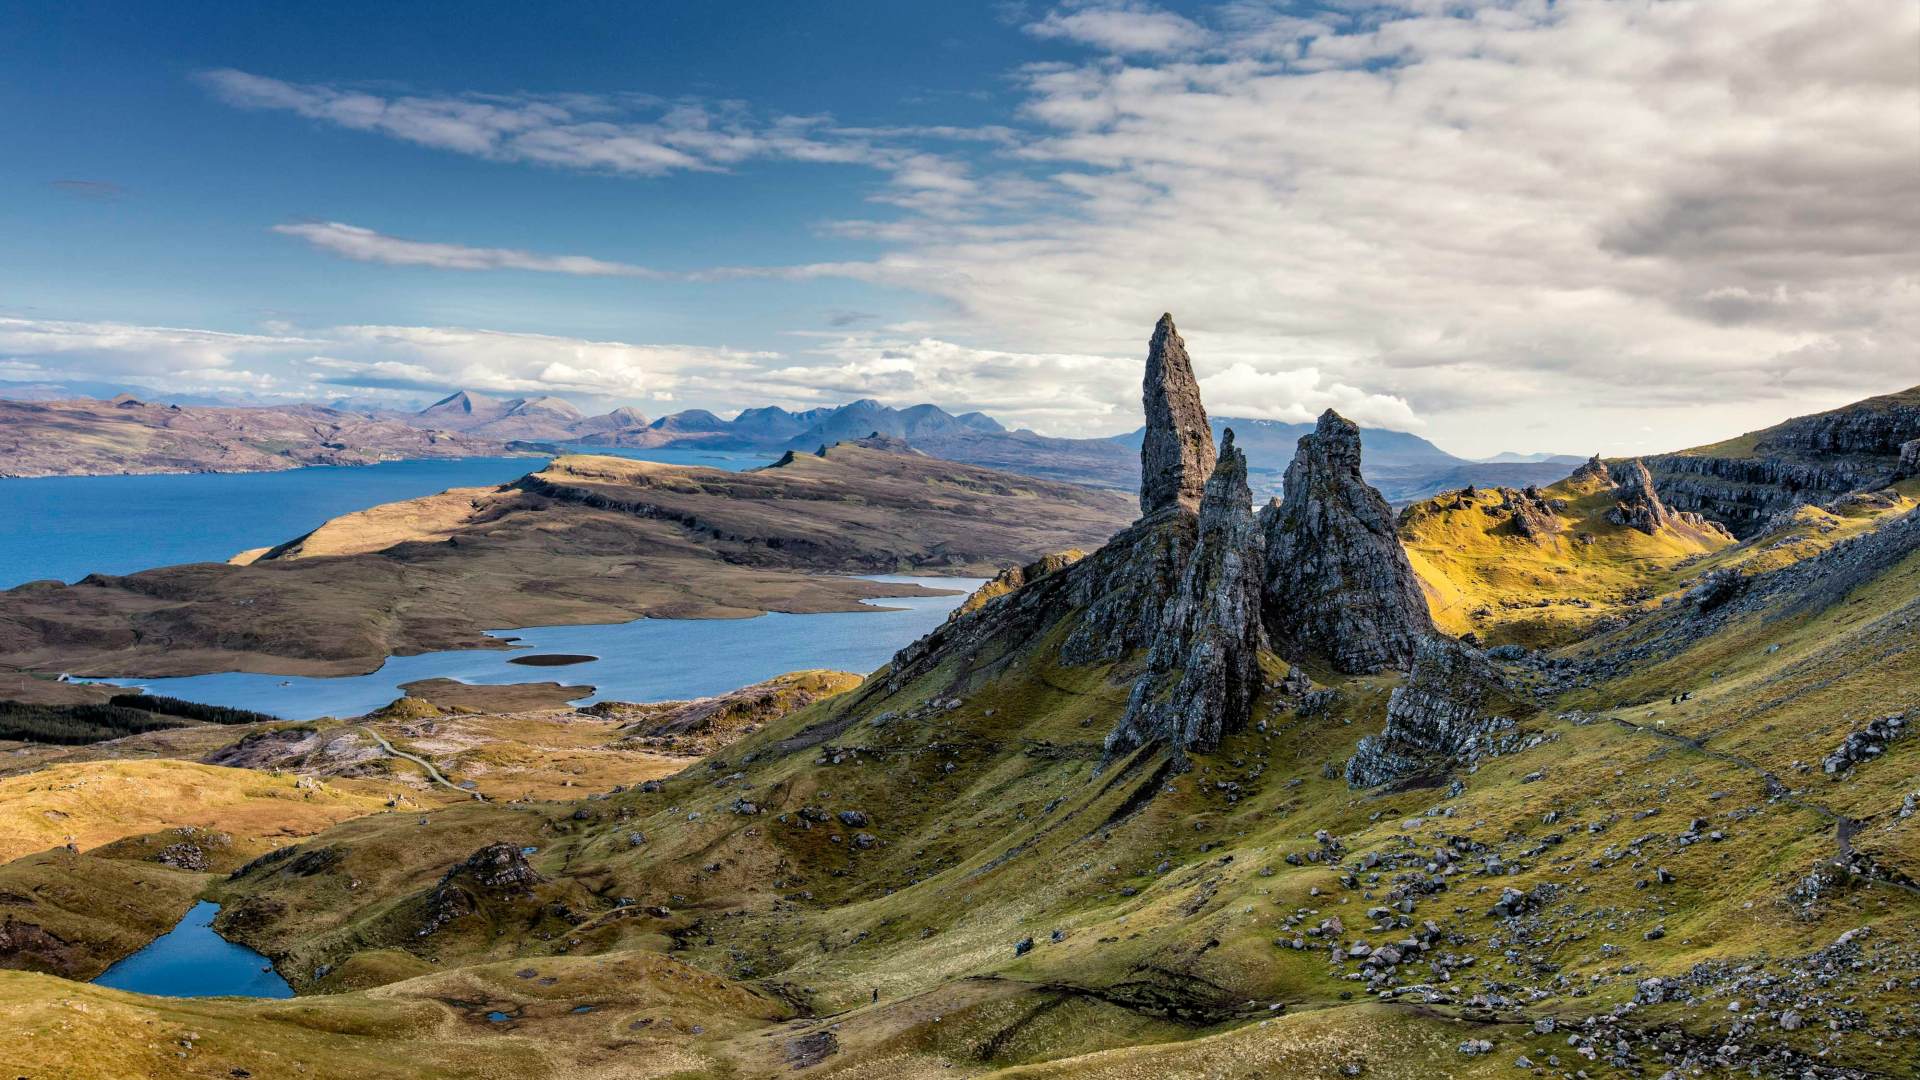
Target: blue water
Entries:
(66, 527)
(643, 660)
(191, 960)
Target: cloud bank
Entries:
(1610, 225)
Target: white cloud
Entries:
(1546, 225)
(366, 245)
(1121, 28)
(320, 362)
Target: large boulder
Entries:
(1338, 585)
(1443, 715)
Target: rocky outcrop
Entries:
(1865, 743)
(496, 873)
(1809, 459)
(1203, 669)
(1176, 452)
(1534, 516)
(1909, 460)
(1440, 717)
(1593, 472)
(1639, 505)
(1338, 582)
(1014, 577)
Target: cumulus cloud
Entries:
(1121, 28)
(1575, 225)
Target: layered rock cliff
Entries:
(1338, 582)
(1810, 459)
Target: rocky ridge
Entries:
(1808, 459)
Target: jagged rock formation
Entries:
(1640, 506)
(1909, 459)
(1338, 582)
(1015, 576)
(1176, 453)
(1439, 717)
(1204, 667)
(1594, 471)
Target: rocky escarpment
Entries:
(1640, 506)
(1176, 451)
(1808, 459)
(1909, 459)
(1441, 716)
(1203, 669)
(1339, 585)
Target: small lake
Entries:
(643, 660)
(67, 527)
(191, 960)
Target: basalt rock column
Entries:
(1177, 456)
(1338, 584)
(1204, 667)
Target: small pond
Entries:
(191, 960)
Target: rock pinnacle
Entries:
(1177, 455)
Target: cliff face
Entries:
(1809, 459)
(1338, 582)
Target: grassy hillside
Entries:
(1483, 574)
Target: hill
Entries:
(587, 539)
(1745, 482)
(1219, 798)
(127, 435)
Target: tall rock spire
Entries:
(1176, 457)
(1338, 582)
(1203, 669)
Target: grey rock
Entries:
(1865, 743)
(1338, 582)
(1437, 718)
(1176, 452)
(1203, 669)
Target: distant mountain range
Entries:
(1404, 467)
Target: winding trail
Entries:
(432, 772)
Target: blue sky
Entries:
(1505, 224)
